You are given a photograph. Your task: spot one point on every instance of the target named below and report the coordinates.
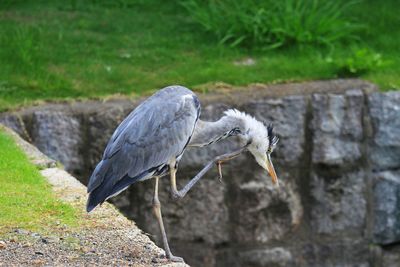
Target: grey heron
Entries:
(151, 140)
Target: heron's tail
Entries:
(104, 183)
(107, 190)
(91, 203)
(97, 181)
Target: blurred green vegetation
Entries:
(26, 200)
(269, 24)
(79, 49)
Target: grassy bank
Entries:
(26, 200)
(72, 49)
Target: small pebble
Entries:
(50, 239)
(21, 231)
(26, 245)
(38, 262)
(3, 245)
(36, 235)
(85, 249)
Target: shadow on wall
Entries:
(338, 161)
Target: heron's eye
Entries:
(269, 150)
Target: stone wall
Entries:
(338, 162)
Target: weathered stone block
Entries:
(288, 117)
(386, 207)
(255, 257)
(201, 254)
(391, 257)
(15, 122)
(337, 128)
(268, 257)
(58, 134)
(334, 253)
(260, 211)
(339, 204)
(384, 110)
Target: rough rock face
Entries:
(338, 161)
(336, 253)
(384, 112)
(337, 181)
(386, 193)
(266, 257)
(288, 115)
(68, 127)
(339, 204)
(337, 128)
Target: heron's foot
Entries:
(177, 195)
(175, 258)
(164, 259)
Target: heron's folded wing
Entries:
(156, 131)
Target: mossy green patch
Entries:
(26, 199)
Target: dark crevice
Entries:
(391, 246)
(84, 151)
(336, 171)
(392, 169)
(304, 183)
(368, 133)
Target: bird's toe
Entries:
(171, 258)
(176, 259)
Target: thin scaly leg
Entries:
(157, 212)
(217, 160)
(174, 190)
(219, 165)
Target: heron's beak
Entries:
(271, 170)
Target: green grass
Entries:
(84, 49)
(26, 200)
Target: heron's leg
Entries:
(219, 165)
(217, 160)
(157, 212)
(174, 190)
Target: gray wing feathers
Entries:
(150, 136)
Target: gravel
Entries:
(100, 247)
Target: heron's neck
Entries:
(206, 133)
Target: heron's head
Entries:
(261, 141)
